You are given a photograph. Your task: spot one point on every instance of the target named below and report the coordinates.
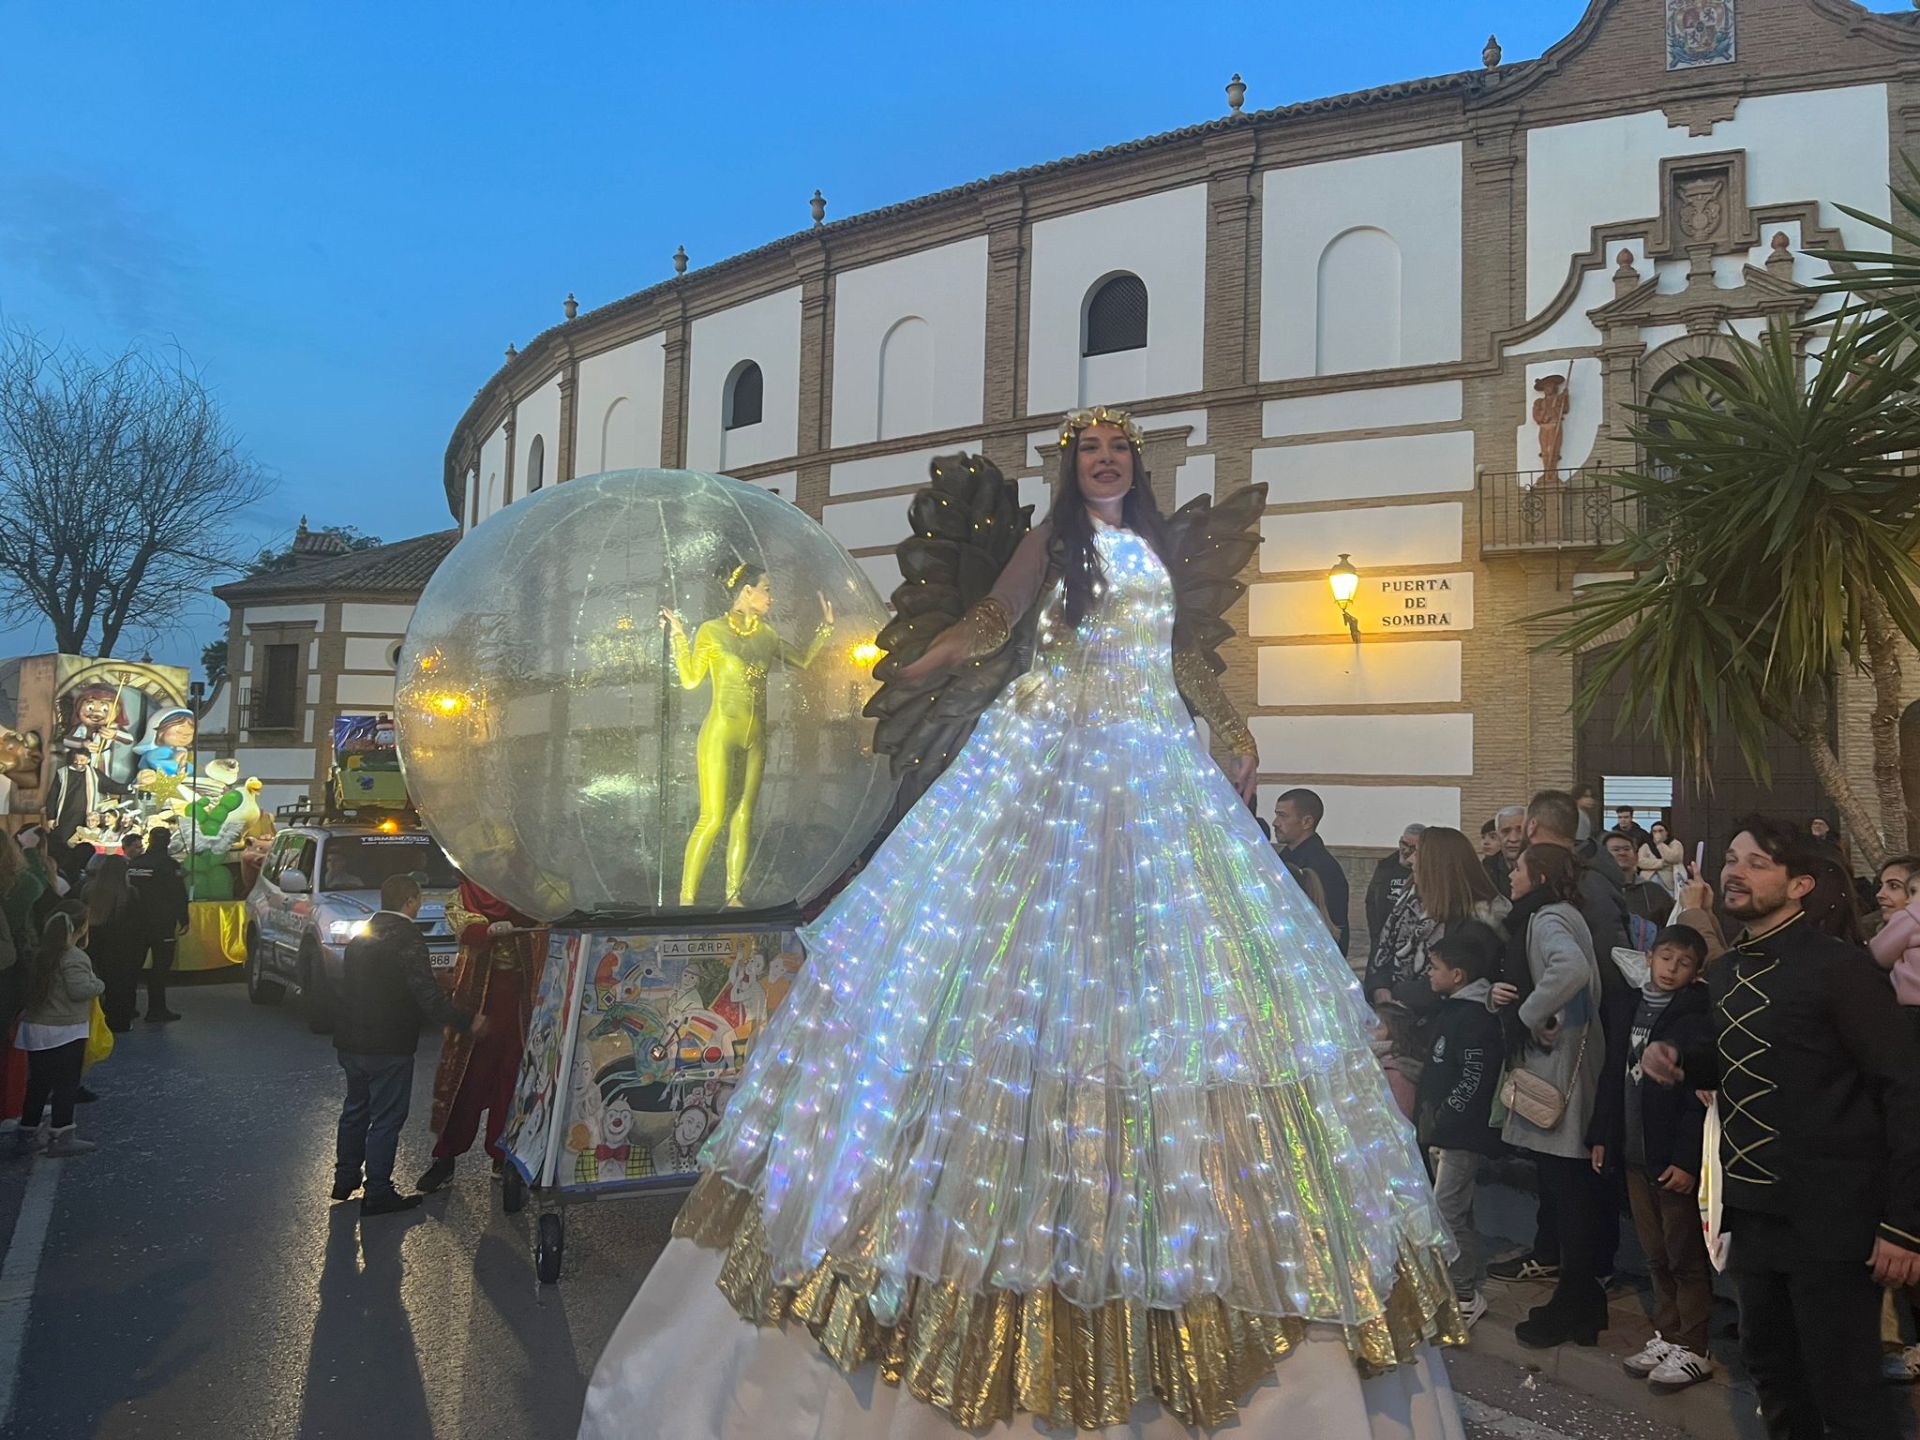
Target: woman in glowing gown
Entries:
(1071, 1119)
(737, 649)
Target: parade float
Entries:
(94, 750)
(631, 706)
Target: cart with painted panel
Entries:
(638, 1035)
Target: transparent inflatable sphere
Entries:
(576, 757)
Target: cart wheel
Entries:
(513, 1190)
(548, 1248)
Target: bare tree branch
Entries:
(120, 482)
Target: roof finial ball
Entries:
(1490, 56)
(819, 207)
(679, 259)
(1236, 93)
(571, 306)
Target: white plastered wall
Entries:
(493, 468)
(536, 417)
(1374, 465)
(1162, 238)
(767, 332)
(936, 376)
(1328, 231)
(617, 406)
(1382, 536)
(1596, 172)
(1371, 815)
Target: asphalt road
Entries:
(193, 1279)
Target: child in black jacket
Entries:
(1654, 1132)
(1454, 1104)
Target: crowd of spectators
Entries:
(1577, 992)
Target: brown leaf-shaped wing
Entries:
(966, 525)
(1212, 545)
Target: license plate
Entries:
(442, 959)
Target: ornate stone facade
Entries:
(1355, 299)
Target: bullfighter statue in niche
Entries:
(1550, 416)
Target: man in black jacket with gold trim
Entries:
(1819, 1089)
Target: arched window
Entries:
(740, 405)
(1116, 316)
(536, 463)
(1685, 385)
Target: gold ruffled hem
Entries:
(980, 1357)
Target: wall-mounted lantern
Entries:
(1344, 581)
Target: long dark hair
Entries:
(1552, 869)
(1448, 876)
(107, 891)
(13, 860)
(57, 937)
(1072, 548)
(1830, 905)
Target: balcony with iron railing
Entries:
(1523, 512)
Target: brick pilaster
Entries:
(569, 422)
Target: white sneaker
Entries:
(65, 1144)
(1680, 1369)
(1648, 1360)
(1472, 1307)
(1902, 1367)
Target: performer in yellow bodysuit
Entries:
(737, 649)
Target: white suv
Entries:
(315, 893)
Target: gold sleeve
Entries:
(1201, 687)
(984, 630)
(693, 660)
(800, 659)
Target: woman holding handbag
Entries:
(1555, 1055)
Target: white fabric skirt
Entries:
(684, 1366)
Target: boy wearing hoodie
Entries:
(1454, 1104)
(1654, 1132)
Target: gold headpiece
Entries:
(738, 571)
(1079, 420)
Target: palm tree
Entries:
(1882, 286)
(1779, 516)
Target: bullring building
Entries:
(1419, 314)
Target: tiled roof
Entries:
(402, 568)
(1468, 81)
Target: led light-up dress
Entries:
(1070, 1120)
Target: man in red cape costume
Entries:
(497, 975)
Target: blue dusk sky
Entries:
(344, 213)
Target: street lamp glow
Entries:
(1345, 582)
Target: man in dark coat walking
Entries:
(160, 897)
(387, 992)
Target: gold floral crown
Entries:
(1078, 420)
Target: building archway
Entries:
(1612, 744)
